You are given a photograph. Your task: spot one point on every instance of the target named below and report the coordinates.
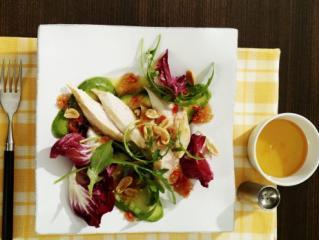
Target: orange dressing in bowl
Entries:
(281, 148)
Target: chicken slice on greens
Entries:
(120, 114)
(95, 114)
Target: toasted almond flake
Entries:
(124, 184)
(162, 133)
(152, 114)
(71, 113)
(165, 123)
(211, 147)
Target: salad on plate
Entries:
(130, 140)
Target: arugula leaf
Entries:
(156, 155)
(126, 141)
(166, 184)
(69, 174)
(102, 157)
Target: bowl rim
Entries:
(254, 143)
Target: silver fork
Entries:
(10, 94)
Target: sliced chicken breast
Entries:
(120, 114)
(95, 114)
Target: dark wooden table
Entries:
(292, 26)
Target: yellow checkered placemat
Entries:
(256, 99)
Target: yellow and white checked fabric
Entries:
(256, 99)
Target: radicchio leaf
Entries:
(176, 84)
(91, 209)
(70, 147)
(194, 168)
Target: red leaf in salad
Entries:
(91, 209)
(196, 144)
(70, 147)
(176, 84)
(196, 168)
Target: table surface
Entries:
(291, 25)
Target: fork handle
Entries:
(7, 207)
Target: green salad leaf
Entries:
(102, 157)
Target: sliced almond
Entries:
(71, 113)
(124, 184)
(165, 123)
(162, 133)
(152, 114)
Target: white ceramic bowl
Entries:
(312, 159)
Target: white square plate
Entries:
(72, 53)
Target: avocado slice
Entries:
(202, 101)
(59, 126)
(157, 213)
(100, 83)
(141, 205)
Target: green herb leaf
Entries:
(156, 155)
(94, 178)
(166, 184)
(102, 157)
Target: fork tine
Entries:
(16, 75)
(19, 81)
(7, 77)
(12, 75)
